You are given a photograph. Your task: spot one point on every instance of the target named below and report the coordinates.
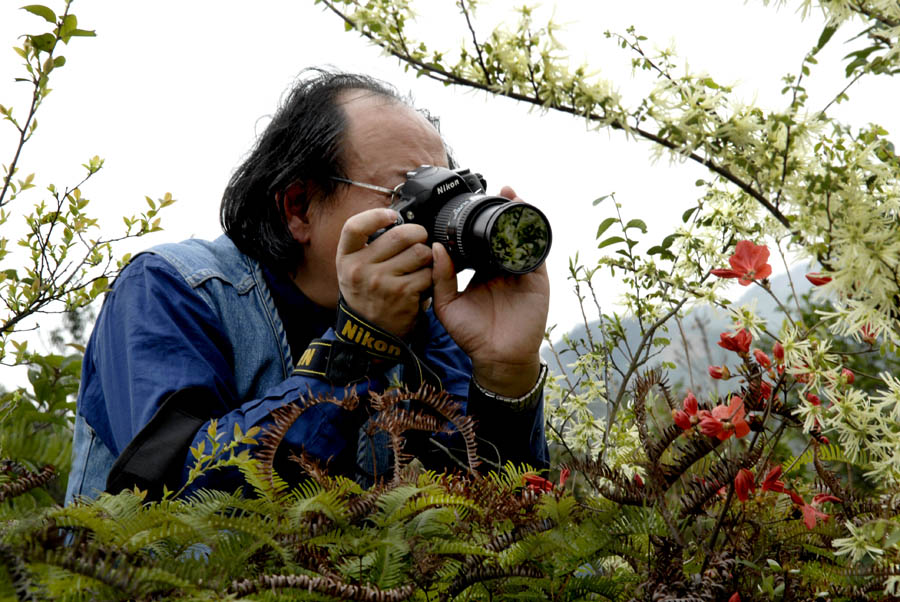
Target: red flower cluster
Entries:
(725, 421)
(739, 342)
(811, 512)
(539, 483)
(749, 263)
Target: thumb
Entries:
(443, 276)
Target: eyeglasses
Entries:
(393, 192)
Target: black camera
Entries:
(486, 233)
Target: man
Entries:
(201, 330)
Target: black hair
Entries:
(302, 143)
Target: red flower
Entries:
(749, 263)
(638, 480)
(719, 372)
(690, 404)
(813, 399)
(778, 352)
(724, 421)
(739, 342)
(821, 498)
(795, 497)
(688, 417)
(818, 279)
(564, 476)
(537, 483)
(772, 482)
(848, 375)
(735, 597)
(762, 359)
(682, 419)
(811, 515)
(743, 484)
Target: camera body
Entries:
(486, 233)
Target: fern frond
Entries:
(392, 502)
(505, 540)
(282, 419)
(478, 575)
(696, 447)
(425, 501)
(324, 585)
(22, 580)
(581, 587)
(26, 482)
(827, 453)
(391, 559)
(460, 548)
(327, 503)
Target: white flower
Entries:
(857, 546)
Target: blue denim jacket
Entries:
(199, 314)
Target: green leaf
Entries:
(824, 37)
(59, 61)
(610, 241)
(636, 223)
(604, 226)
(41, 11)
(82, 33)
(69, 24)
(43, 42)
(600, 200)
(687, 214)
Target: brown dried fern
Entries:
(396, 420)
(26, 481)
(282, 420)
(324, 585)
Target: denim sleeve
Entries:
(155, 341)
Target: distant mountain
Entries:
(702, 327)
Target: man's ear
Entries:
(294, 204)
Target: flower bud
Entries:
(762, 359)
(719, 372)
(848, 376)
(778, 352)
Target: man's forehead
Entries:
(390, 133)
(365, 108)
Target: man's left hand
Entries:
(498, 322)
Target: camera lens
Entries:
(493, 233)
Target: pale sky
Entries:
(172, 93)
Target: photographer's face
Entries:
(383, 141)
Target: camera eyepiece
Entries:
(483, 232)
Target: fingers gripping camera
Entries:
(486, 233)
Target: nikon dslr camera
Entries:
(486, 233)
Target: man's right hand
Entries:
(383, 281)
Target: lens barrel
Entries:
(493, 233)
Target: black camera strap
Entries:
(361, 348)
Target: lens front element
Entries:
(519, 238)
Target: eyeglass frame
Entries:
(391, 191)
